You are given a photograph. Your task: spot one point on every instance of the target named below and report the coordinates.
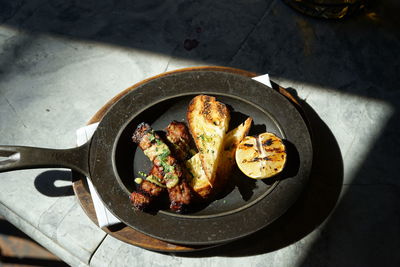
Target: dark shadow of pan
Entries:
(45, 183)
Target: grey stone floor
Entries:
(60, 61)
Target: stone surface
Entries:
(53, 220)
(60, 61)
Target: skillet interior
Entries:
(113, 162)
(241, 191)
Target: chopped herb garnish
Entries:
(151, 137)
(159, 142)
(166, 166)
(205, 138)
(172, 180)
(164, 154)
(153, 179)
(142, 174)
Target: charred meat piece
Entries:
(150, 189)
(168, 170)
(180, 140)
(140, 201)
(180, 196)
(153, 185)
(159, 153)
(147, 191)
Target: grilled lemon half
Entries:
(261, 156)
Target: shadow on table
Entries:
(312, 208)
(26, 261)
(45, 183)
(7, 228)
(16, 248)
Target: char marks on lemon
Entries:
(261, 156)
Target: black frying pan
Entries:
(112, 161)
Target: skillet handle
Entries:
(23, 157)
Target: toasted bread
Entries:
(198, 178)
(208, 122)
(231, 142)
(199, 181)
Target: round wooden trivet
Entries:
(121, 231)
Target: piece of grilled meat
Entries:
(140, 200)
(147, 192)
(150, 188)
(180, 140)
(180, 196)
(169, 171)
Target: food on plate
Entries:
(208, 122)
(148, 191)
(193, 163)
(169, 171)
(199, 180)
(180, 141)
(261, 156)
(140, 200)
(231, 142)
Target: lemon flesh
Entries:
(261, 156)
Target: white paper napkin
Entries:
(104, 216)
(264, 79)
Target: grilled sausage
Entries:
(167, 169)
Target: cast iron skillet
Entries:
(112, 161)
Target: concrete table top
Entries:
(60, 61)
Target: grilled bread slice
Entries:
(231, 142)
(208, 122)
(199, 181)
